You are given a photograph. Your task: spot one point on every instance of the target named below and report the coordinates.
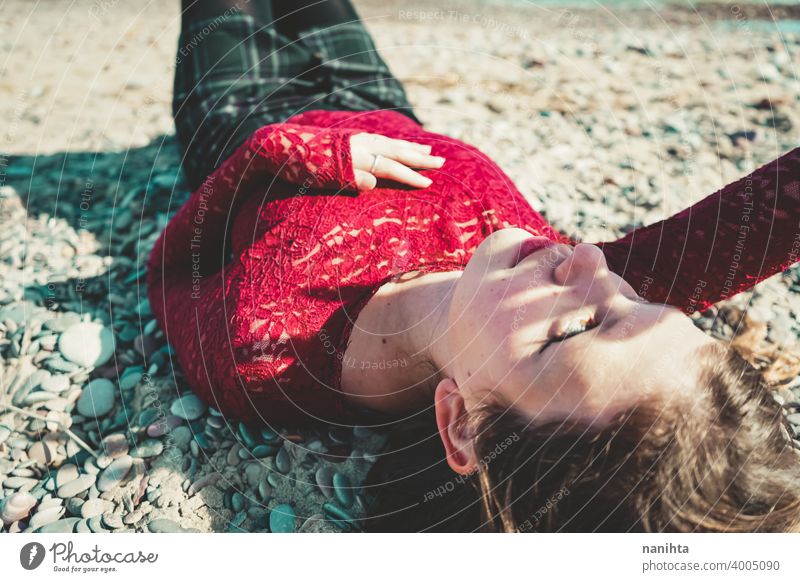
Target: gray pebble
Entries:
(181, 436)
(46, 516)
(188, 407)
(97, 398)
(115, 445)
(343, 489)
(74, 505)
(113, 475)
(324, 479)
(112, 520)
(148, 448)
(164, 525)
(282, 461)
(96, 507)
(66, 473)
(66, 525)
(76, 486)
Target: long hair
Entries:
(728, 465)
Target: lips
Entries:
(531, 245)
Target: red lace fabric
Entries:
(258, 278)
(723, 245)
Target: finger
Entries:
(365, 180)
(387, 168)
(362, 159)
(416, 159)
(425, 149)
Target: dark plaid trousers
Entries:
(233, 76)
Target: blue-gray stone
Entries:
(66, 525)
(188, 407)
(97, 398)
(148, 448)
(343, 489)
(76, 486)
(114, 473)
(282, 519)
(282, 461)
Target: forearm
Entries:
(719, 247)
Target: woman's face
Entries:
(510, 301)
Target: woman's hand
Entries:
(377, 156)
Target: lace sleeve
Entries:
(721, 246)
(193, 243)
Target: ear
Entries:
(450, 410)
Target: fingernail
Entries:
(428, 182)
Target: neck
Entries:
(405, 322)
(423, 306)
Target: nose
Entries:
(585, 266)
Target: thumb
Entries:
(365, 180)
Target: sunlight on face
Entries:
(617, 349)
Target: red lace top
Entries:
(258, 278)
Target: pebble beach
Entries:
(607, 116)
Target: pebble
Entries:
(324, 479)
(112, 520)
(164, 425)
(97, 398)
(57, 383)
(282, 461)
(181, 436)
(164, 525)
(77, 486)
(43, 452)
(66, 525)
(282, 519)
(48, 501)
(188, 407)
(46, 516)
(343, 489)
(148, 448)
(130, 378)
(96, 507)
(238, 502)
(113, 475)
(5, 432)
(87, 344)
(115, 445)
(247, 435)
(74, 505)
(338, 516)
(66, 474)
(262, 451)
(16, 507)
(264, 491)
(96, 524)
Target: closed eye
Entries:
(568, 335)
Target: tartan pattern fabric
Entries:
(233, 77)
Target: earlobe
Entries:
(450, 414)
